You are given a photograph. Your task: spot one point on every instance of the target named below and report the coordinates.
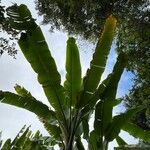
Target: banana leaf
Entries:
(20, 132)
(137, 132)
(25, 140)
(21, 141)
(95, 97)
(7, 145)
(118, 122)
(103, 110)
(120, 141)
(22, 91)
(98, 62)
(36, 51)
(92, 145)
(72, 84)
(111, 89)
(31, 104)
(88, 109)
(53, 130)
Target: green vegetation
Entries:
(26, 140)
(86, 18)
(7, 44)
(75, 102)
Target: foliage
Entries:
(138, 48)
(7, 45)
(26, 140)
(139, 95)
(86, 18)
(74, 102)
(139, 54)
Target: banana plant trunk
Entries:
(103, 146)
(69, 141)
(69, 144)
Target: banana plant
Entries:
(77, 99)
(26, 140)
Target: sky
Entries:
(18, 71)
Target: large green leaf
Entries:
(137, 132)
(103, 110)
(26, 101)
(83, 128)
(31, 104)
(111, 89)
(118, 122)
(36, 51)
(72, 84)
(54, 131)
(89, 108)
(98, 62)
(95, 97)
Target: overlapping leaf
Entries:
(54, 131)
(96, 96)
(137, 132)
(118, 122)
(103, 111)
(98, 62)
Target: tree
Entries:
(138, 48)
(139, 95)
(74, 102)
(86, 17)
(7, 45)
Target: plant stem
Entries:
(75, 123)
